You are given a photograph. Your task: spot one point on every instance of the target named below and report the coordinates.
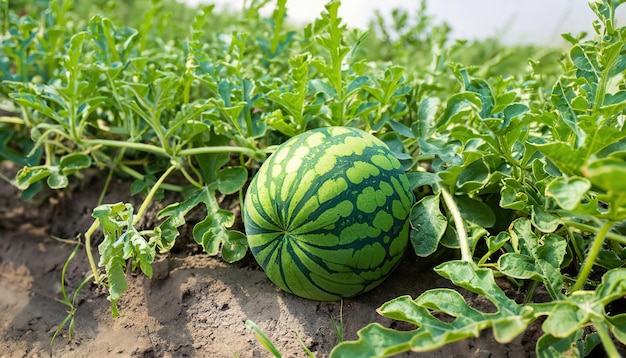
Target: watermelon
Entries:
(326, 215)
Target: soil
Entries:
(198, 305)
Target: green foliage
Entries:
(540, 169)
(57, 175)
(69, 320)
(562, 328)
(212, 232)
(269, 345)
(122, 242)
(261, 337)
(516, 153)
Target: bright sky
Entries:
(513, 21)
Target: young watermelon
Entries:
(327, 214)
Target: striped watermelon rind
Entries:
(326, 215)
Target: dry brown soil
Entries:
(198, 307)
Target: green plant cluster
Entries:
(516, 154)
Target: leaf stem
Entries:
(151, 194)
(189, 178)
(592, 255)
(603, 79)
(135, 174)
(574, 246)
(183, 153)
(505, 150)
(47, 147)
(219, 149)
(531, 292)
(5, 178)
(12, 120)
(130, 145)
(609, 235)
(107, 182)
(466, 254)
(605, 338)
(92, 229)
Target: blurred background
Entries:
(538, 22)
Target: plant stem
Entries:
(609, 235)
(241, 192)
(107, 182)
(133, 173)
(151, 194)
(5, 178)
(466, 254)
(572, 241)
(218, 149)
(12, 120)
(5, 14)
(607, 342)
(592, 255)
(92, 229)
(189, 178)
(506, 151)
(185, 152)
(603, 79)
(531, 292)
(130, 145)
(47, 147)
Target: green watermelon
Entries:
(326, 215)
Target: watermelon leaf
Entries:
(293, 102)
(538, 259)
(428, 225)
(212, 232)
(568, 192)
(475, 211)
(567, 319)
(213, 235)
(424, 127)
(57, 175)
(507, 322)
(122, 242)
(231, 179)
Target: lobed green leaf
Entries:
(428, 225)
